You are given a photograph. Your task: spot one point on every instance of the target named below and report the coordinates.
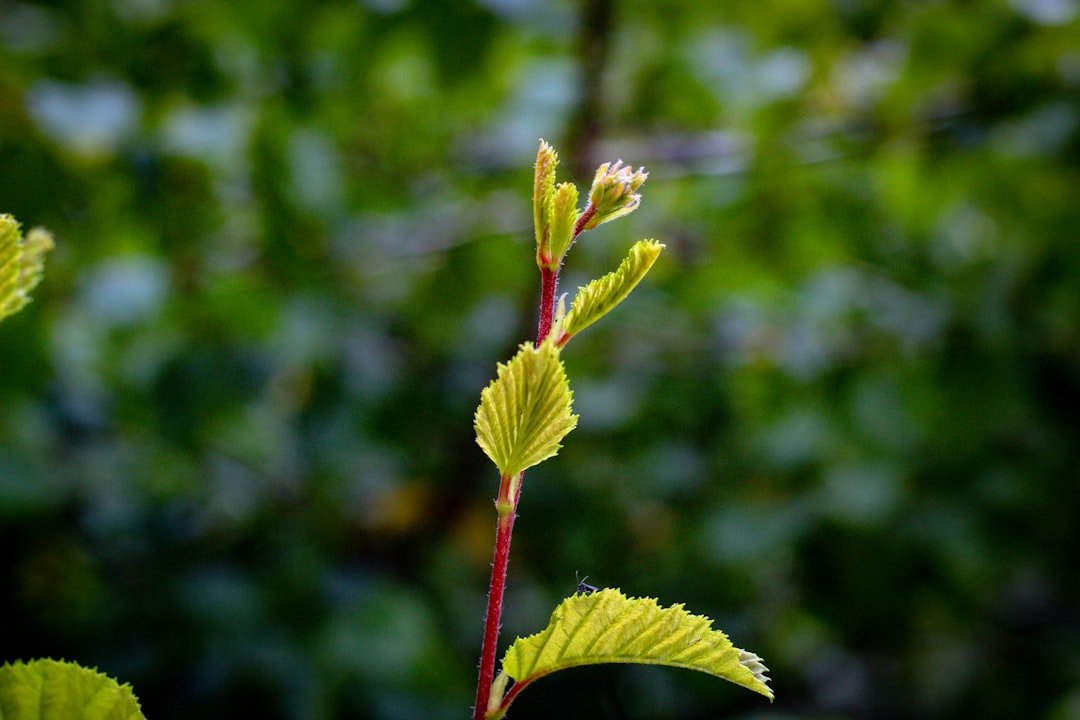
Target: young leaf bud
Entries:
(564, 215)
(614, 192)
(543, 189)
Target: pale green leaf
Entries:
(56, 690)
(608, 627)
(22, 261)
(601, 295)
(543, 191)
(525, 412)
(564, 217)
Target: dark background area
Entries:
(237, 466)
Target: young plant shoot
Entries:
(524, 415)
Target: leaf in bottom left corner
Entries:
(59, 690)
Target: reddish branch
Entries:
(507, 505)
(549, 280)
(583, 220)
(495, 594)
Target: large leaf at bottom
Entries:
(56, 690)
(608, 627)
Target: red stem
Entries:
(513, 693)
(586, 216)
(495, 595)
(549, 280)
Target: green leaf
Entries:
(525, 412)
(543, 190)
(601, 295)
(608, 627)
(56, 690)
(564, 217)
(21, 263)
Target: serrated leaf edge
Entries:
(22, 263)
(739, 666)
(602, 295)
(525, 412)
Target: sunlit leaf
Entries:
(601, 295)
(608, 627)
(525, 412)
(56, 690)
(22, 261)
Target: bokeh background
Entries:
(237, 467)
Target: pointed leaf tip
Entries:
(543, 201)
(608, 627)
(525, 412)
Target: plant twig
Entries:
(507, 502)
(507, 505)
(594, 37)
(549, 281)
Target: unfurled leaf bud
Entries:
(564, 215)
(543, 189)
(614, 192)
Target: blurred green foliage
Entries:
(237, 466)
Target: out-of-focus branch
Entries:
(593, 49)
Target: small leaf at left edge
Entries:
(58, 690)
